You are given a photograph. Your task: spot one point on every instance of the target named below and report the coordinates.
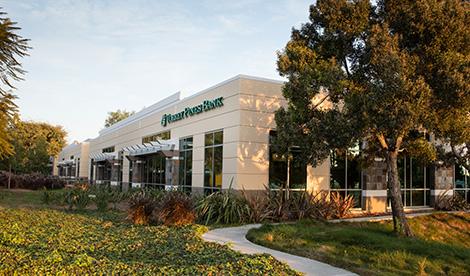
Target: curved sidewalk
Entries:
(236, 238)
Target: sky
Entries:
(90, 57)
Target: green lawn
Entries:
(441, 245)
(20, 198)
(38, 240)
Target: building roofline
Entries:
(176, 98)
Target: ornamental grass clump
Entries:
(342, 205)
(223, 207)
(141, 206)
(175, 209)
(454, 202)
(101, 197)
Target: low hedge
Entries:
(32, 181)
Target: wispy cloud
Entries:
(93, 56)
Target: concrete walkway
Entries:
(379, 218)
(235, 237)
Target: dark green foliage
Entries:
(224, 207)
(384, 74)
(77, 198)
(39, 242)
(33, 181)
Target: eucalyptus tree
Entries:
(381, 74)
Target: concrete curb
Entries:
(235, 237)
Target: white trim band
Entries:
(441, 192)
(374, 193)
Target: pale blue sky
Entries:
(90, 57)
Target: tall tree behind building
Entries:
(116, 116)
(379, 74)
(34, 143)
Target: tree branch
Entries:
(382, 141)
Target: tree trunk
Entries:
(9, 176)
(400, 223)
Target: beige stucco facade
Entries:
(246, 117)
(73, 161)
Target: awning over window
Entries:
(65, 163)
(102, 156)
(167, 147)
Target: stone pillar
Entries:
(99, 173)
(374, 187)
(443, 182)
(115, 171)
(125, 173)
(137, 167)
(172, 171)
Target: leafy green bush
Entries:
(77, 198)
(225, 207)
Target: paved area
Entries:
(236, 238)
(379, 218)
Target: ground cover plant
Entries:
(34, 241)
(441, 244)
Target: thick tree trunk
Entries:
(400, 223)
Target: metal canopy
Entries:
(167, 147)
(64, 163)
(102, 156)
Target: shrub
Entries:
(141, 206)
(224, 207)
(455, 202)
(78, 197)
(258, 204)
(33, 181)
(341, 205)
(175, 208)
(299, 205)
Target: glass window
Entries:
(337, 170)
(346, 173)
(108, 149)
(462, 182)
(154, 169)
(186, 163)
(415, 181)
(154, 137)
(280, 167)
(213, 161)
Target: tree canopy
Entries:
(12, 47)
(384, 75)
(34, 143)
(116, 116)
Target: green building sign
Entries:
(191, 111)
